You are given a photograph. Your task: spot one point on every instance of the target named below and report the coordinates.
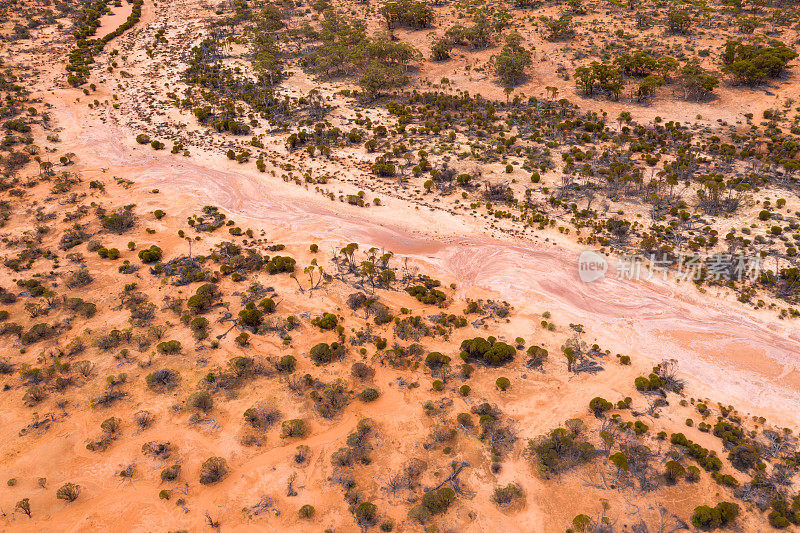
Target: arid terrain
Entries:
(321, 266)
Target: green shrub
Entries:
(721, 515)
(490, 351)
(327, 321)
(38, 332)
(366, 514)
(171, 473)
(150, 255)
(674, 471)
(439, 500)
(599, 405)
(200, 401)
(169, 347)
(323, 353)
(287, 364)
(502, 383)
(68, 492)
(504, 496)
(213, 470)
(279, 264)
(436, 360)
(294, 428)
(368, 395)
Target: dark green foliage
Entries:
(279, 264)
(346, 49)
(744, 457)
(602, 77)
(730, 433)
(599, 405)
(504, 496)
(368, 395)
(213, 470)
(150, 255)
(323, 353)
(785, 513)
(261, 416)
(439, 500)
(490, 351)
(366, 514)
(200, 401)
(512, 61)
(79, 278)
(561, 450)
(674, 472)
(287, 364)
(427, 295)
(73, 237)
(169, 347)
(536, 356)
(754, 63)
(408, 12)
(251, 317)
(721, 515)
(119, 222)
(294, 428)
(558, 28)
(83, 308)
(38, 332)
(327, 321)
(331, 399)
(203, 299)
(68, 492)
(436, 360)
(268, 305)
(679, 21)
(650, 383)
(706, 458)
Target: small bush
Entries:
(169, 347)
(714, 517)
(213, 470)
(162, 380)
(286, 364)
(439, 500)
(150, 255)
(327, 321)
(200, 401)
(68, 492)
(171, 473)
(504, 496)
(294, 428)
(366, 514)
(368, 395)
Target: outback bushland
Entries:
(310, 266)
